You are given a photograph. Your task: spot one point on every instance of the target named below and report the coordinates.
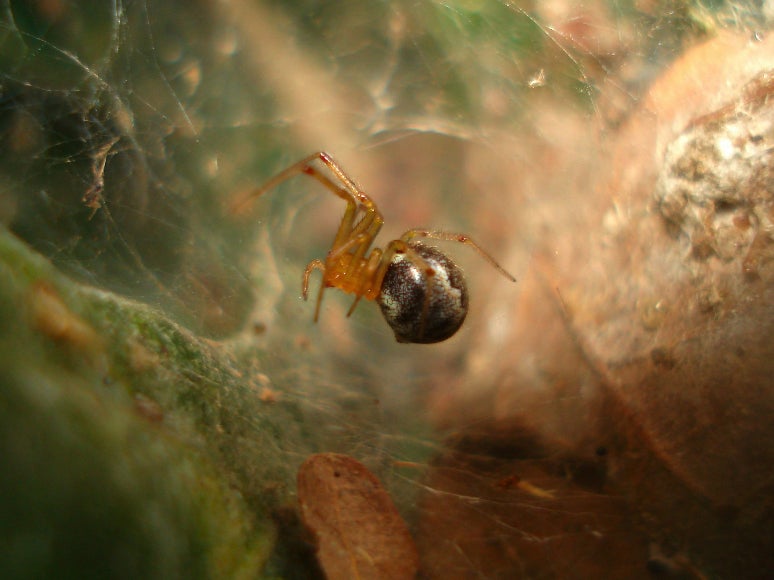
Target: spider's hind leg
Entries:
(460, 238)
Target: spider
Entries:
(421, 292)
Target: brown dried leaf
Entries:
(359, 532)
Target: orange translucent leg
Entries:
(369, 287)
(314, 265)
(461, 238)
(372, 219)
(298, 167)
(370, 223)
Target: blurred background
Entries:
(606, 416)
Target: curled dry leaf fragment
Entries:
(358, 530)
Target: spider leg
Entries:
(354, 304)
(461, 238)
(314, 265)
(350, 191)
(356, 276)
(348, 182)
(358, 240)
(371, 267)
(369, 286)
(347, 228)
(319, 302)
(356, 199)
(372, 219)
(347, 220)
(352, 236)
(299, 167)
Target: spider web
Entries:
(128, 127)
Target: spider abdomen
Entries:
(424, 301)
